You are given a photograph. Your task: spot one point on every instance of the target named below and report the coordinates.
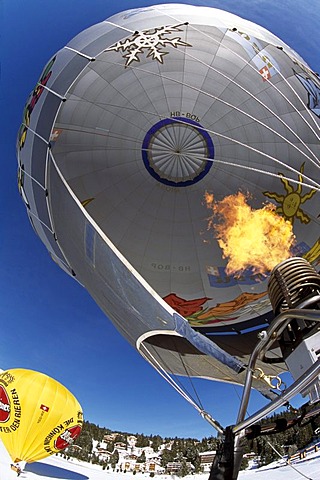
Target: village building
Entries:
(175, 467)
(206, 459)
(154, 466)
(166, 446)
(120, 446)
(110, 437)
(144, 459)
(131, 440)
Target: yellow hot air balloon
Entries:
(38, 415)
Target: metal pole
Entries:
(309, 376)
(266, 337)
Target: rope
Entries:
(179, 388)
(168, 378)
(251, 66)
(232, 140)
(216, 160)
(191, 382)
(294, 468)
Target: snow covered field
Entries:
(57, 468)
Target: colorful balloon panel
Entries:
(38, 415)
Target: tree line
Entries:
(187, 450)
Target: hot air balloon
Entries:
(38, 415)
(127, 128)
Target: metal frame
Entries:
(267, 338)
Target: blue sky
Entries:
(48, 322)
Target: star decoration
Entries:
(150, 40)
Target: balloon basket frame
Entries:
(228, 459)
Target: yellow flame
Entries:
(257, 239)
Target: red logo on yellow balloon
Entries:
(4, 405)
(67, 437)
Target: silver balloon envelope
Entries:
(128, 127)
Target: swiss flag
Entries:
(44, 408)
(55, 134)
(265, 73)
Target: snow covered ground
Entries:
(57, 468)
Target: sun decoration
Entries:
(291, 202)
